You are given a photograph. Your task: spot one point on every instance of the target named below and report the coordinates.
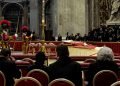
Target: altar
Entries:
(76, 50)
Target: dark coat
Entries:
(38, 66)
(98, 66)
(10, 71)
(66, 68)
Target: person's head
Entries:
(105, 53)
(28, 33)
(40, 57)
(5, 52)
(62, 50)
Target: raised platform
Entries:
(77, 54)
(17, 45)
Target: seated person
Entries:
(104, 61)
(7, 53)
(8, 67)
(64, 67)
(59, 37)
(39, 63)
(34, 37)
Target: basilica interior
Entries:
(73, 16)
(84, 26)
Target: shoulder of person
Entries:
(52, 65)
(76, 64)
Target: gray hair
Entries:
(105, 53)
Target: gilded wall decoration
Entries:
(104, 10)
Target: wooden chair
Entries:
(2, 79)
(104, 78)
(117, 83)
(27, 81)
(61, 82)
(40, 75)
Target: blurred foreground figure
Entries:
(105, 61)
(8, 67)
(39, 63)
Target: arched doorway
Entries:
(13, 12)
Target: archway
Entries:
(13, 12)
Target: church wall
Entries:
(70, 17)
(73, 16)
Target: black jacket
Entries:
(38, 66)
(66, 68)
(98, 66)
(10, 71)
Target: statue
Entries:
(115, 12)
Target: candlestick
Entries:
(43, 20)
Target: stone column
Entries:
(54, 22)
(34, 16)
(25, 15)
(89, 14)
(97, 22)
(93, 14)
(1, 8)
(86, 17)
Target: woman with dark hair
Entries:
(39, 63)
(64, 67)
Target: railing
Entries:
(114, 45)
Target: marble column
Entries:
(25, 14)
(89, 13)
(1, 8)
(96, 19)
(93, 14)
(54, 22)
(34, 16)
(86, 17)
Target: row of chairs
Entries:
(36, 77)
(104, 77)
(30, 81)
(93, 60)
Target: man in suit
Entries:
(64, 67)
(105, 61)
